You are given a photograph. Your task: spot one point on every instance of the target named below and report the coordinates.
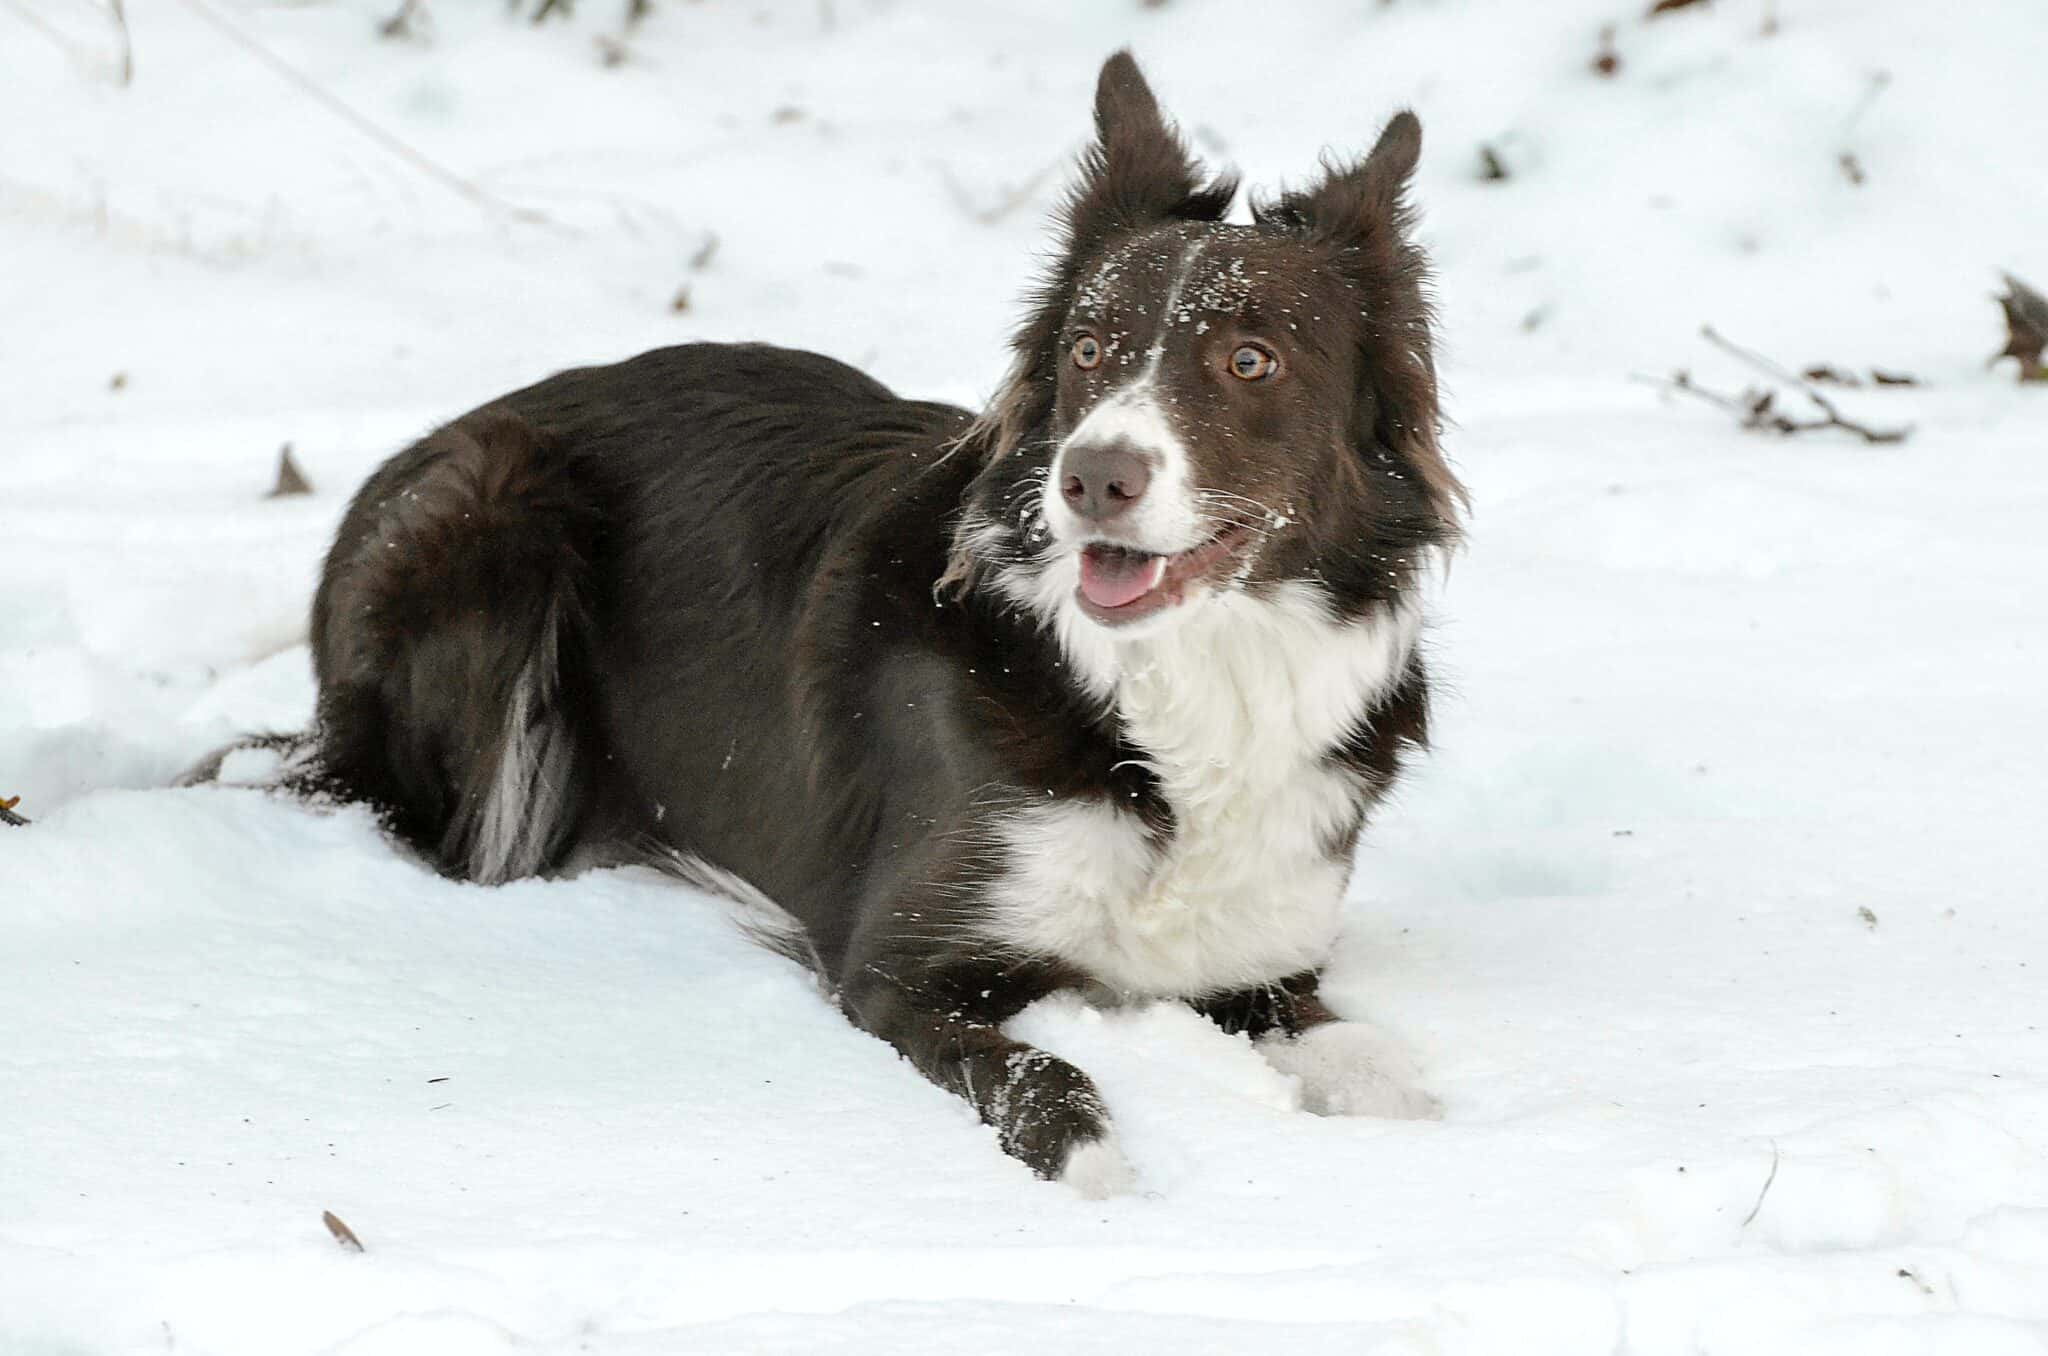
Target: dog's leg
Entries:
(1344, 1068)
(1045, 1111)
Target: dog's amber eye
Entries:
(1087, 353)
(1252, 363)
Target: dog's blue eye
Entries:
(1252, 363)
(1087, 352)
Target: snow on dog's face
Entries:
(1198, 407)
(1205, 399)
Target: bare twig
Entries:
(1879, 376)
(1756, 360)
(120, 9)
(1756, 409)
(1848, 161)
(72, 51)
(406, 25)
(1765, 416)
(1772, 1177)
(7, 815)
(1880, 81)
(306, 85)
(342, 1233)
(1681, 381)
(1005, 204)
(1606, 60)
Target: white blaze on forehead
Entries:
(1166, 520)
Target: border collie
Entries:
(1092, 690)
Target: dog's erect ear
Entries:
(1124, 101)
(1138, 172)
(1368, 196)
(1399, 148)
(1362, 210)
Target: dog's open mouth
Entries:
(1119, 584)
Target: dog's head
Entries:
(1197, 407)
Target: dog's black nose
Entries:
(1101, 480)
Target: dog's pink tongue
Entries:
(1114, 578)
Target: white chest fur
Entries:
(1236, 708)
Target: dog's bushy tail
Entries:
(449, 636)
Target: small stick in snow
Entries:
(127, 44)
(1756, 360)
(1757, 408)
(401, 26)
(1770, 1178)
(390, 142)
(290, 479)
(1606, 61)
(342, 1233)
(1880, 81)
(1851, 165)
(7, 815)
(1002, 206)
(72, 51)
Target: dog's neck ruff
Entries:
(1237, 709)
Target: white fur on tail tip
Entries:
(525, 798)
(1098, 1170)
(1352, 1069)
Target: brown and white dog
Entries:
(1092, 690)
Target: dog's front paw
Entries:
(1352, 1069)
(1048, 1114)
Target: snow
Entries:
(1716, 921)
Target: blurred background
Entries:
(268, 204)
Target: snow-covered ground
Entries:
(1717, 921)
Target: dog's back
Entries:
(664, 522)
